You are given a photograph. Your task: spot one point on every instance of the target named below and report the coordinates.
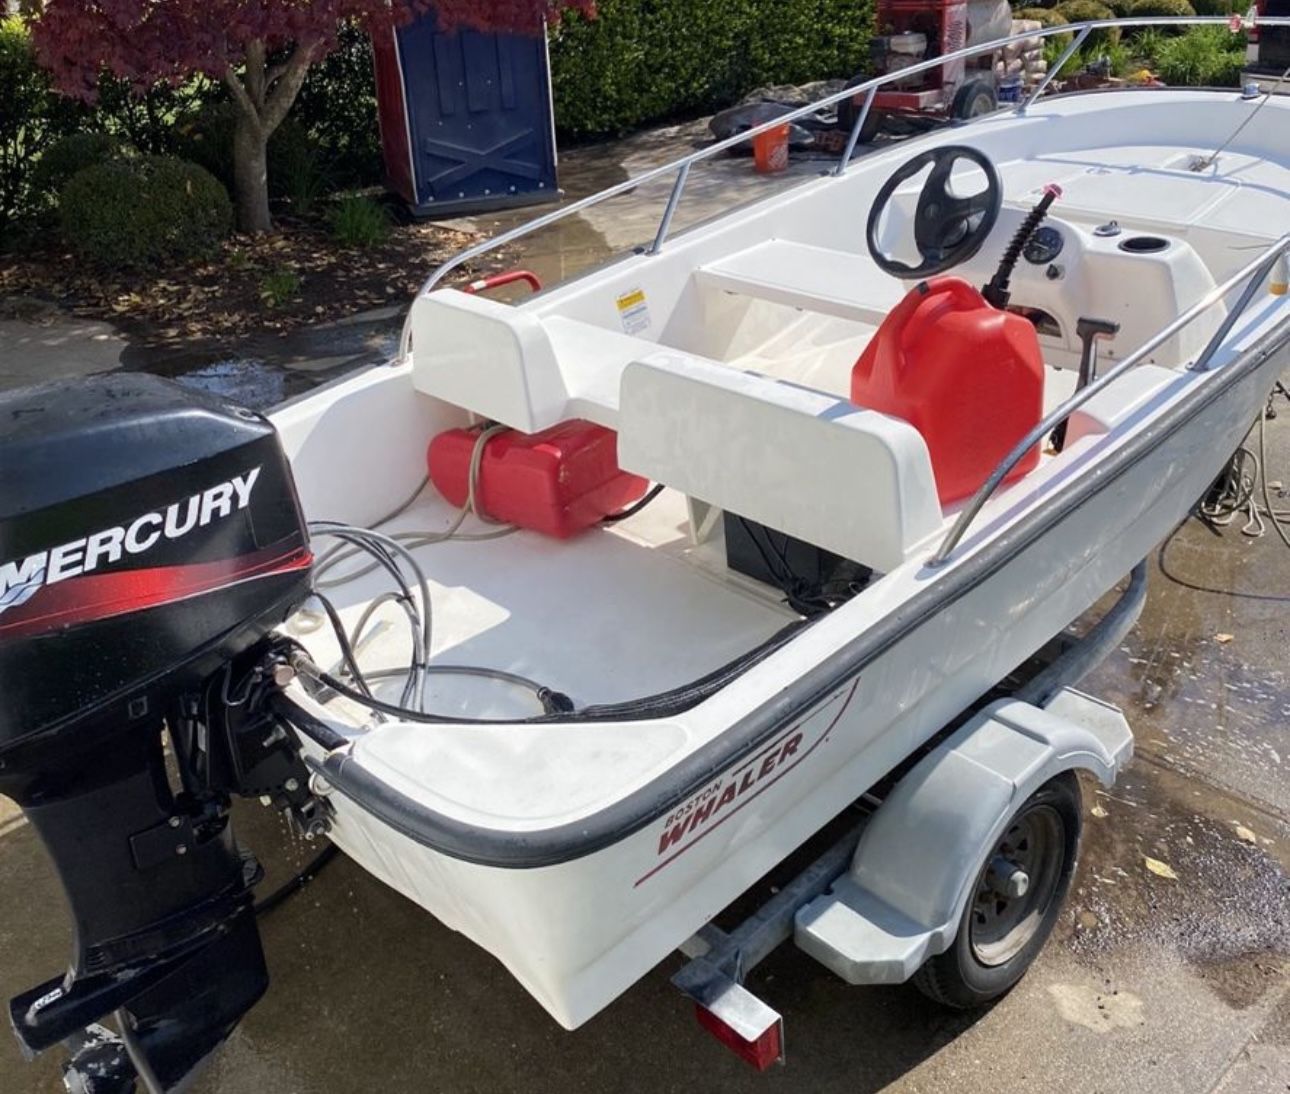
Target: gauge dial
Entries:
(1043, 246)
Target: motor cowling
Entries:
(967, 375)
(150, 540)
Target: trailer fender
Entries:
(914, 867)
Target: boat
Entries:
(712, 543)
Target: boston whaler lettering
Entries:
(905, 424)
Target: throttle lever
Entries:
(1089, 331)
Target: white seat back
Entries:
(488, 358)
(854, 481)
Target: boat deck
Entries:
(649, 610)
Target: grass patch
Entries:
(1202, 57)
(279, 287)
(358, 222)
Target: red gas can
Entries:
(967, 376)
(557, 482)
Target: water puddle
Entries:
(1222, 903)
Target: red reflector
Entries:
(761, 1053)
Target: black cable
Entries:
(996, 292)
(346, 650)
(632, 510)
(288, 889)
(1231, 491)
(661, 705)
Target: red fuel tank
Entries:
(557, 482)
(967, 376)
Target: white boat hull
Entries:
(578, 933)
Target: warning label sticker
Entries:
(633, 311)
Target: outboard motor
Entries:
(150, 539)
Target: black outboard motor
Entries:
(150, 539)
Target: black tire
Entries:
(959, 978)
(849, 110)
(974, 97)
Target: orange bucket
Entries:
(770, 150)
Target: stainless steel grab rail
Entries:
(683, 164)
(1254, 272)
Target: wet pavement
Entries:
(1169, 970)
(261, 371)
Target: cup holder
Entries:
(1144, 245)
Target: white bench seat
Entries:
(812, 278)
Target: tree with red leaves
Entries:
(261, 49)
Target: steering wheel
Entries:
(947, 229)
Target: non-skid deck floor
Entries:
(610, 615)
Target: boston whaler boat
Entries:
(904, 424)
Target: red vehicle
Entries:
(912, 31)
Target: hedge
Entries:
(641, 61)
(144, 210)
(1047, 18)
(75, 152)
(1179, 8)
(1083, 11)
(32, 117)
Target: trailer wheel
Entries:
(1016, 900)
(974, 98)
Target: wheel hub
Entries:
(1016, 885)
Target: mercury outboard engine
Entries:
(150, 539)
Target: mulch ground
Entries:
(226, 296)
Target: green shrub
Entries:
(152, 121)
(643, 60)
(32, 117)
(1175, 8)
(1080, 11)
(279, 286)
(129, 212)
(1147, 42)
(1120, 57)
(75, 152)
(1120, 8)
(1048, 18)
(1218, 7)
(206, 139)
(358, 222)
(336, 109)
(297, 172)
(1161, 7)
(1053, 51)
(1202, 57)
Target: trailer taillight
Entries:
(767, 1048)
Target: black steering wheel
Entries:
(947, 229)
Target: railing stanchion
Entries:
(1201, 364)
(673, 200)
(1055, 68)
(853, 138)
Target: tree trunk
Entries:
(251, 176)
(263, 95)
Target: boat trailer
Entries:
(890, 893)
